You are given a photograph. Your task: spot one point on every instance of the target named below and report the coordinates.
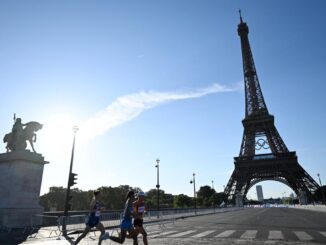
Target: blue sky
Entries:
(160, 79)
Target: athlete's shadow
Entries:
(69, 239)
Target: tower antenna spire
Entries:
(240, 16)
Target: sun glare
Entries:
(59, 130)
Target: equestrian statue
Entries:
(16, 140)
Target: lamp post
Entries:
(193, 181)
(321, 188)
(71, 182)
(214, 192)
(158, 187)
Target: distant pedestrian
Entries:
(139, 210)
(126, 224)
(93, 217)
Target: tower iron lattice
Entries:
(275, 162)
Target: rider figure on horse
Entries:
(16, 139)
(18, 136)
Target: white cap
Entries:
(141, 194)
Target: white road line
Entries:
(152, 232)
(183, 233)
(303, 236)
(275, 235)
(161, 234)
(164, 233)
(205, 233)
(225, 233)
(168, 232)
(323, 233)
(249, 234)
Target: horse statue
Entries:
(16, 140)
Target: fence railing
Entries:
(51, 226)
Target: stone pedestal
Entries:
(20, 185)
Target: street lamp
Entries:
(321, 188)
(214, 192)
(71, 182)
(193, 181)
(158, 187)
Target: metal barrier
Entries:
(13, 221)
(45, 226)
(75, 224)
(111, 220)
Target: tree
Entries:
(204, 194)
(151, 198)
(113, 198)
(216, 199)
(182, 201)
(54, 199)
(165, 199)
(80, 199)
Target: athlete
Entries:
(93, 217)
(139, 209)
(126, 224)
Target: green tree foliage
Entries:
(183, 201)
(203, 196)
(55, 199)
(80, 199)
(216, 199)
(166, 200)
(113, 198)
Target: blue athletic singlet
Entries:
(94, 217)
(127, 216)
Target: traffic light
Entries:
(72, 179)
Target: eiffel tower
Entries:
(274, 161)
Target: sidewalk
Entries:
(91, 238)
(318, 208)
(54, 236)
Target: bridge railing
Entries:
(46, 225)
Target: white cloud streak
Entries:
(126, 108)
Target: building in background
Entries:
(260, 195)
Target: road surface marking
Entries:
(183, 233)
(249, 234)
(275, 235)
(303, 236)
(323, 233)
(205, 233)
(225, 233)
(152, 233)
(163, 233)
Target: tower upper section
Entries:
(255, 103)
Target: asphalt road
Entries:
(253, 226)
(247, 226)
